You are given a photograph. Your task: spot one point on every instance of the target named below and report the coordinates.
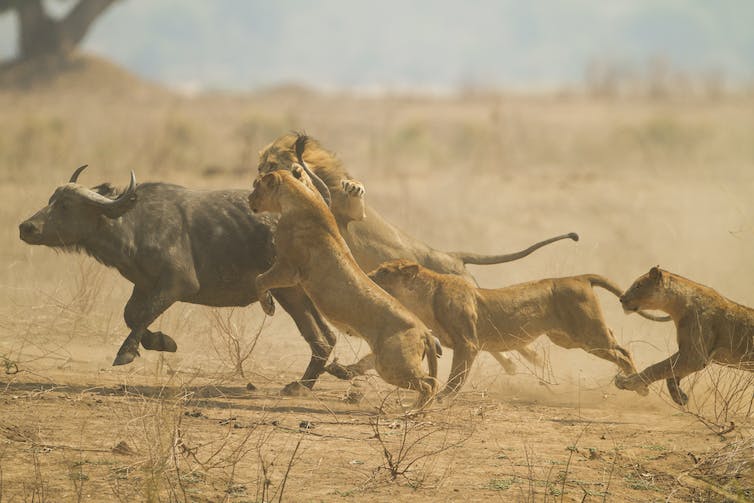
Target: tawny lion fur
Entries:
(709, 328)
(312, 254)
(469, 319)
(371, 239)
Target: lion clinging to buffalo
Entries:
(208, 247)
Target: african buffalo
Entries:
(174, 244)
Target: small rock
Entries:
(123, 449)
(250, 387)
(306, 425)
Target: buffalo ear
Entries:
(119, 210)
(107, 189)
(655, 274)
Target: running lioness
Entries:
(312, 254)
(709, 329)
(469, 319)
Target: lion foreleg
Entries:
(348, 372)
(280, 275)
(463, 358)
(672, 369)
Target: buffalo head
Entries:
(74, 212)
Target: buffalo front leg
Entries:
(141, 310)
(671, 370)
(315, 331)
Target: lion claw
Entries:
(353, 188)
(267, 303)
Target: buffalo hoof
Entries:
(642, 391)
(268, 304)
(157, 341)
(125, 357)
(681, 398)
(295, 388)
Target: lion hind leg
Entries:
(508, 365)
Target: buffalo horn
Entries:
(75, 175)
(112, 206)
(321, 186)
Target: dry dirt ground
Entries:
(645, 182)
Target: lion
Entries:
(709, 329)
(371, 239)
(469, 319)
(312, 254)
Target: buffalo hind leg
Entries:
(676, 393)
(315, 331)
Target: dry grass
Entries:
(643, 181)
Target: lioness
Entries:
(469, 319)
(709, 329)
(312, 254)
(371, 239)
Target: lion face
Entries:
(279, 154)
(264, 196)
(646, 292)
(396, 276)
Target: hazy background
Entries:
(479, 125)
(436, 45)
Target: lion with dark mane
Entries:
(371, 239)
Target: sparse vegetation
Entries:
(643, 181)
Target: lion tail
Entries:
(433, 350)
(603, 282)
(479, 259)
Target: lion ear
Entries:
(410, 269)
(655, 274)
(270, 181)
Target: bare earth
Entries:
(644, 182)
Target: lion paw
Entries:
(631, 383)
(353, 188)
(340, 371)
(267, 303)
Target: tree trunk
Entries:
(42, 36)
